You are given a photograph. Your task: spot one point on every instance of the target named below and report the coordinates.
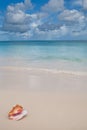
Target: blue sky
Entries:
(43, 20)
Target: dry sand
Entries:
(53, 101)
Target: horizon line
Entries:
(36, 40)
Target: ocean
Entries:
(55, 56)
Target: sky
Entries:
(43, 20)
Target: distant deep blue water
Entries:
(61, 55)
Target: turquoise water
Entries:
(61, 55)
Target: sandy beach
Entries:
(53, 100)
(43, 64)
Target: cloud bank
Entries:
(52, 21)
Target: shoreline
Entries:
(43, 70)
(41, 79)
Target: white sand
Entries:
(53, 101)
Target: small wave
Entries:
(53, 71)
(61, 71)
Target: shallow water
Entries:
(55, 55)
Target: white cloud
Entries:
(64, 30)
(50, 34)
(20, 22)
(82, 3)
(74, 20)
(54, 6)
(72, 16)
(26, 5)
(16, 20)
(17, 17)
(85, 4)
